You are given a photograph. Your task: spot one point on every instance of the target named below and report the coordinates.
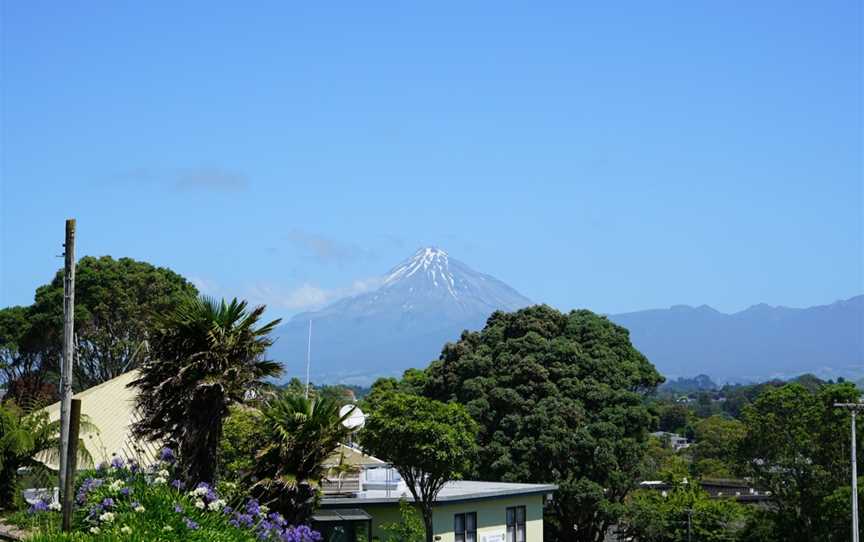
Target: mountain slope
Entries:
(422, 303)
(757, 343)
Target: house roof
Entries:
(461, 490)
(110, 407)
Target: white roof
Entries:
(461, 490)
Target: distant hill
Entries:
(756, 344)
(430, 298)
(424, 302)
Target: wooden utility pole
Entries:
(68, 350)
(71, 462)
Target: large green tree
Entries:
(205, 356)
(559, 398)
(116, 305)
(428, 442)
(796, 445)
(29, 357)
(717, 440)
(683, 513)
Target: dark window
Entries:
(516, 524)
(465, 527)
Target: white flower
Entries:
(264, 509)
(55, 506)
(159, 480)
(167, 528)
(216, 505)
(198, 492)
(107, 517)
(94, 530)
(125, 529)
(139, 509)
(199, 504)
(164, 473)
(116, 485)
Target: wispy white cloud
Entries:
(307, 296)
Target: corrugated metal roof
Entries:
(110, 407)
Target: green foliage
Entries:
(559, 398)
(120, 503)
(205, 356)
(674, 417)
(409, 528)
(22, 438)
(300, 434)
(244, 434)
(652, 516)
(428, 442)
(116, 302)
(29, 357)
(717, 441)
(662, 463)
(796, 445)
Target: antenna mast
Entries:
(308, 357)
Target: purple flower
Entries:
(167, 454)
(107, 502)
(38, 506)
(252, 507)
(135, 504)
(117, 462)
(177, 484)
(178, 508)
(190, 524)
(126, 491)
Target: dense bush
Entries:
(126, 502)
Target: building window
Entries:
(515, 524)
(465, 527)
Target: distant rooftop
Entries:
(461, 490)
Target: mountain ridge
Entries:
(428, 299)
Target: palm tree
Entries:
(303, 433)
(25, 439)
(204, 357)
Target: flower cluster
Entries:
(121, 498)
(44, 505)
(270, 526)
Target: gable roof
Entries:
(110, 407)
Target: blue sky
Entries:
(614, 156)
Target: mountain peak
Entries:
(430, 262)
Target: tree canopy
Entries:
(116, 303)
(428, 442)
(796, 445)
(559, 398)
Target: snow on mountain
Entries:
(422, 303)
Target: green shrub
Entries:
(128, 503)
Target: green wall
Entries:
(491, 516)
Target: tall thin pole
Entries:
(68, 347)
(71, 463)
(854, 408)
(308, 357)
(854, 483)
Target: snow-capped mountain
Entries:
(422, 303)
